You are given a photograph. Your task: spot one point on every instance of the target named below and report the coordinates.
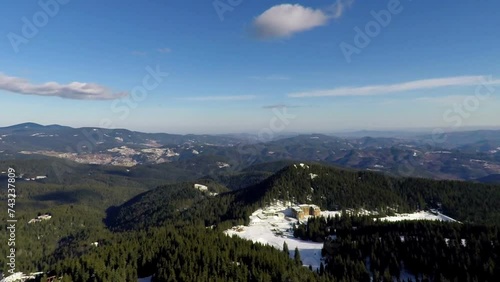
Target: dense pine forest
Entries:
(100, 231)
(336, 189)
(182, 253)
(360, 246)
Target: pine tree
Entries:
(285, 249)
(296, 257)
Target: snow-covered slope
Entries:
(421, 215)
(273, 226)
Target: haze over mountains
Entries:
(467, 155)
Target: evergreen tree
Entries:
(285, 249)
(296, 257)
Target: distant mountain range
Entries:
(467, 155)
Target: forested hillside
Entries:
(165, 231)
(336, 189)
(357, 247)
(161, 204)
(182, 253)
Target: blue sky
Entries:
(233, 66)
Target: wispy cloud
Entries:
(144, 53)
(339, 7)
(371, 90)
(271, 77)
(73, 90)
(220, 98)
(280, 106)
(445, 100)
(164, 50)
(284, 20)
(139, 53)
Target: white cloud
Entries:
(398, 87)
(164, 50)
(221, 98)
(73, 90)
(271, 77)
(287, 19)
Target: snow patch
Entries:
(222, 165)
(273, 226)
(303, 165)
(204, 189)
(421, 215)
(201, 187)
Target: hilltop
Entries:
(333, 188)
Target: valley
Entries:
(408, 156)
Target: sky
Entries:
(232, 66)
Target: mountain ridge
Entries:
(332, 188)
(394, 156)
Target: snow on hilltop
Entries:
(272, 226)
(201, 187)
(302, 165)
(204, 188)
(421, 215)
